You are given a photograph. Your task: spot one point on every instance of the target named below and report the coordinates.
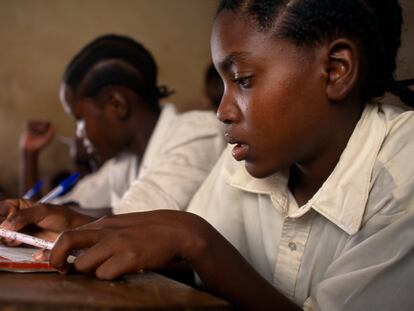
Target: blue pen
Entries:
(61, 188)
(30, 194)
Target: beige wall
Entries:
(38, 37)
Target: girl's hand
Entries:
(37, 135)
(50, 220)
(116, 245)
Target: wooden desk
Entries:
(146, 291)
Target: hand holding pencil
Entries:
(49, 220)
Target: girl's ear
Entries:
(343, 69)
(119, 105)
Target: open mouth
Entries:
(240, 151)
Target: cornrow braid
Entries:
(130, 65)
(374, 24)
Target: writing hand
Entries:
(116, 245)
(50, 220)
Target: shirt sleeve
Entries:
(184, 161)
(375, 269)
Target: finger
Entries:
(93, 257)
(69, 241)
(10, 242)
(21, 218)
(8, 207)
(117, 265)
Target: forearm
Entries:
(29, 170)
(223, 270)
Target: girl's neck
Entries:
(307, 177)
(143, 129)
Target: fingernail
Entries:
(38, 256)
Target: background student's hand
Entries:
(49, 220)
(116, 245)
(36, 136)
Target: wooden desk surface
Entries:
(146, 291)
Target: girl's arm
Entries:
(35, 138)
(128, 243)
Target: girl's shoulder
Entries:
(397, 150)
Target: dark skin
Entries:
(277, 96)
(36, 136)
(116, 120)
(309, 109)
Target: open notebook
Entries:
(19, 259)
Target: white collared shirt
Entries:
(92, 191)
(351, 247)
(180, 154)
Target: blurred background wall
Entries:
(39, 37)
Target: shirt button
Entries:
(292, 246)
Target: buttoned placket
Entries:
(292, 245)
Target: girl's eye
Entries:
(243, 82)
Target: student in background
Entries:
(93, 189)
(313, 206)
(36, 136)
(159, 157)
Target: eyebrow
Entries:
(232, 59)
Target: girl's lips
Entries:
(240, 152)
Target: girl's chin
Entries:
(257, 171)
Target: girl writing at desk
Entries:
(313, 206)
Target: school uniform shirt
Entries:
(351, 247)
(180, 154)
(92, 191)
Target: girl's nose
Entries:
(228, 111)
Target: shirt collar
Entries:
(343, 196)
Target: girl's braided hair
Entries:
(374, 24)
(125, 61)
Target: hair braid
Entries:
(374, 24)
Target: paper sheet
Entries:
(17, 254)
(19, 259)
